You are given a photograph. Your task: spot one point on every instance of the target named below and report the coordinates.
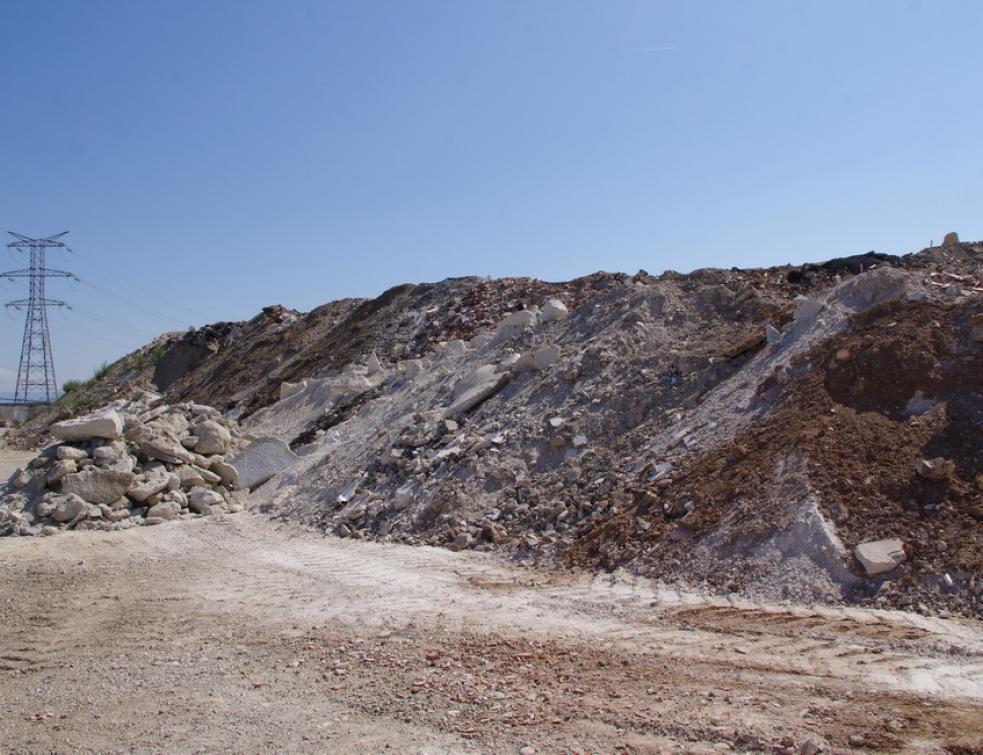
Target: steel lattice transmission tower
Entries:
(36, 376)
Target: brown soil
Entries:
(846, 419)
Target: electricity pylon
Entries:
(36, 381)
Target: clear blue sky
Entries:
(228, 154)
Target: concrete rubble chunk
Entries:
(474, 388)
(68, 508)
(70, 452)
(554, 310)
(59, 469)
(879, 556)
(226, 473)
(164, 510)
(98, 485)
(516, 323)
(200, 500)
(159, 443)
(539, 359)
(261, 460)
(806, 309)
(104, 424)
(877, 286)
(213, 438)
(148, 484)
(935, 469)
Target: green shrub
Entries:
(101, 371)
(72, 385)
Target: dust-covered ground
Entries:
(233, 635)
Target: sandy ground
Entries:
(243, 635)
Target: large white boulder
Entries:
(261, 460)
(554, 309)
(879, 556)
(106, 424)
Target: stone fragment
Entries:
(70, 452)
(98, 485)
(59, 469)
(213, 438)
(21, 478)
(935, 469)
(554, 309)
(516, 323)
(879, 556)
(226, 473)
(806, 308)
(474, 388)
(105, 424)
(877, 286)
(148, 484)
(200, 500)
(772, 334)
(164, 510)
(261, 460)
(105, 455)
(68, 508)
(159, 443)
(539, 359)
(951, 239)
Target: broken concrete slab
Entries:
(261, 460)
(879, 556)
(476, 387)
(105, 424)
(151, 482)
(98, 485)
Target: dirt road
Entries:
(246, 636)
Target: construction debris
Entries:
(738, 431)
(137, 462)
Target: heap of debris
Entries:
(138, 462)
(809, 434)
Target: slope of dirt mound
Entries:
(741, 430)
(903, 384)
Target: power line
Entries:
(129, 302)
(147, 290)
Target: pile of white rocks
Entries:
(137, 462)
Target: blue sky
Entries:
(214, 157)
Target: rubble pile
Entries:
(137, 462)
(807, 434)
